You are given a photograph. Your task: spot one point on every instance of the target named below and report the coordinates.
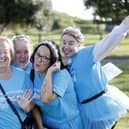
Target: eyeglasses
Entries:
(42, 58)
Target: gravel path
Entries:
(116, 60)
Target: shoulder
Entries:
(63, 72)
(17, 70)
(84, 53)
(86, 49)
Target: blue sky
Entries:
(73, 8)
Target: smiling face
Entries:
(42, 59)
(69, 45)
(5, 55)
(22, 53)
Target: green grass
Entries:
(120, 51)
(122, 81)
(123, 123)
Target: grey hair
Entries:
(25, 38)
(75, 32)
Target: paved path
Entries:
(115, 60)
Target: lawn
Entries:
(120, 51)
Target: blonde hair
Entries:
(10, 44)
(74, 32)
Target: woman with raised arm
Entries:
(101, 105)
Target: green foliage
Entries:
(34, 12)
(17, 10)
(90, 27)
(62, 20)
(111, 10)
(44, 17)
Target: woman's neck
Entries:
(5, 74)
(42, 74)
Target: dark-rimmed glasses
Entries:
(42, 58)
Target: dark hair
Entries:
(54, 52)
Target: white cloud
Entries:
(73, 8)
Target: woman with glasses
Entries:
(53, 89)
(23, 49)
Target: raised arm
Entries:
(105, 46)
(47, 93)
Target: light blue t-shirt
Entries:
(28, 67)
(64, 107)
(15, 86)
(88, 76)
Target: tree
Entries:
(17, 11)
(109, 10)
(44, 18)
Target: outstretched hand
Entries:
(25, 101)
